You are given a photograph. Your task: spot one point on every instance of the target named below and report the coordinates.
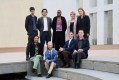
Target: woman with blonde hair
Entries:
(72, 24)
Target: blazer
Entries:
(40, 25)
(32, 49)
(71, 45)
(74, 28)
(85, 46)
(83, 24)
(53, 56)
(29, 24)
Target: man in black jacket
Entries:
(36, 55)
(81, 49)
(59, 26)
(31, 28)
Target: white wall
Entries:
(12, 20)
(65, 5)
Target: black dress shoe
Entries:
(77, 65)
(39, 75)
(67, 66)
(33, 70)
(48, 76)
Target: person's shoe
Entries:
(66, 66)
(77, 65)
(48, 76)
(51, 74)
(33, 70)
(39, 75)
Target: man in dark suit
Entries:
(44, 26)
(81, 49)
(59, 26)
(36, 55)
(30, 26)
(66, 51)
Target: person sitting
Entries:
(81, 49)
(66, 51)
(36, 54)
(51, 57)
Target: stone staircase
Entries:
(93, 68)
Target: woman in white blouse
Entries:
(72, 24)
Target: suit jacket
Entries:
(29, 24)
(32, 49)
(64, 27)
(53, 56)
(85, 46)
(71, 45)
(40, 25)
(83, 24)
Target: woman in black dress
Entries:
(83, 23)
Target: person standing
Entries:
(44, 26)
(31, 28)
(83, 23)
(51, 57)
(81, 49)
(36, 55)
(72, 24)
(59, 26)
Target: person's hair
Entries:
(31, 8)
(43, 10)
(72, 12)
(50, 42)
(82, 10)
(71, 32)
(36, 36)
(81, 30)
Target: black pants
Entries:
(65, 57)
(77, 56)
(59, 39)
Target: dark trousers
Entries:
(77, 56)
(65, 57)
(59, 39)
(30, 40)
(45, 37)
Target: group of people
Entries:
(75, 48)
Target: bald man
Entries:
(51, 56)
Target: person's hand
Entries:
(61, 49)
(80, 50)
(88, 34)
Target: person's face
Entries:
(59, 13)
(50, 46)
(80, 12)
(71, 35)
(81, 34)
(44, 13)
(72, 15)
(32, 12)
(36, 39)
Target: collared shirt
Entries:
(45, 24)
(69, 42)
(59, 24)
(50, 52)
(34, 24)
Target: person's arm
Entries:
(50, 23)
(38, 24)
(88, 25)
(65, 24)
(55, 57)
(53, 23)
(26, 23)
(87, 45)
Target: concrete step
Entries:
(84, 74)
(106, 64)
